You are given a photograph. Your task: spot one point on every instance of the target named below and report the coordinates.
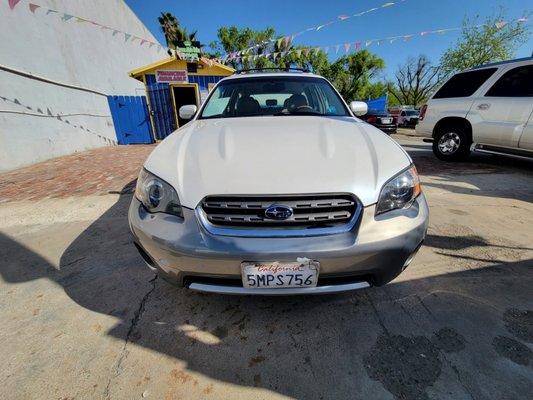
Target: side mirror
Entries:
(358, 108)
(188, 111)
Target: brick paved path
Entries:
(99, 171)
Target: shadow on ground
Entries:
(439, 336)
(474, 176)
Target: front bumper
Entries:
(373, 252)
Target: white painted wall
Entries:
(72, 52)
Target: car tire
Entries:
(451, 143)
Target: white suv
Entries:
(486, 109)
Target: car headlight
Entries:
(399, 192)
(156, 195)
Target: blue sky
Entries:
(290, 16)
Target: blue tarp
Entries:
(379, 104)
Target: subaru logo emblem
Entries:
(278, 212)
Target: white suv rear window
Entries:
(464, 84)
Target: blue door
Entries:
(131, 119)
(162, 108)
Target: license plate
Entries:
(280, 274)
(386, 120)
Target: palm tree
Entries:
(175, 35)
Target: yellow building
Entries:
(172, 83)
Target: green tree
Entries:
(249, 42)
(260, 49)
(352, 75)
(289, 56)
(494, 40)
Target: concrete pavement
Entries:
(83, 318)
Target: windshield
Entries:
(411, 113)
(280, 95)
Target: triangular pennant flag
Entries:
(337, 47)
(274, 56)
(317, 51)
(49, 11)
(126, 37)
(306, 52)
(115, 32)
(320, 27)
(343, 17)
(153, 44)
(387, 5)
(143, 42)
(368, 43)
(407, 37)
(286, 41)
(500, 24)
(357, 45)
(326, 49)
(66, 17)
(523, 19)
(346, 47)
(279, 42)
(78, 19)
(33, 7)
(298, 53)
(423, 33)
(12, 3)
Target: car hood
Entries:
(277, 155)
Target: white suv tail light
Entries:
(423, 112)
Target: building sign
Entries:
(171, 76)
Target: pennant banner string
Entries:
(35, 9)
(341, 18)
(368, 42)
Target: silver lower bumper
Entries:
(221, 289)
(373, 252)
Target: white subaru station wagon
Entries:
(274, 187)
(488, 109)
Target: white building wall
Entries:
(40, 120)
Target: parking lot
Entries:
(83, 318)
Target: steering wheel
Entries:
(304, 107)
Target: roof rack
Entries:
(288, 69)
(494, 64)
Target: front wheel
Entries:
(451, 144)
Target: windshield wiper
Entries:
(299, 112)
